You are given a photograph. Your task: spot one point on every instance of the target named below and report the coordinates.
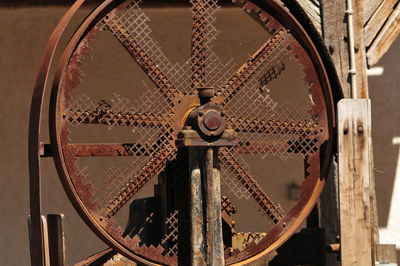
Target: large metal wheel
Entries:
(107, 193)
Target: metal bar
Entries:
(111, 149)
(44, 237)
(271, 48)
(271, 209)
(98, 258)
(251, 125)
(55, 225)
(260, 147)
(198, 43)
(111, 118)
(143, 59)
(153, 166)
(214, 237)
(34, 133)
(197, 227)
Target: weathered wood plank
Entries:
(386, 254)
(374, 203)
(312, 9)
(385, 38)
(334, 33)
(370, 8)
(377, 20)
(354, 139)
(362, 90)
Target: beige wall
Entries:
(24, 33)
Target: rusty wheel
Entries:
(111, 147)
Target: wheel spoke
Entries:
(203, 59)
(273, 50)
(143, 57)
(260, 147)
(110, 149)
(198, 42)
(303, 146)
(290, 127)
(113, 118)
(271, 209)
(153, 166)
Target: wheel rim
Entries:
(80, 192)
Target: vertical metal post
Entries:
(55, 224)
(205, 214)
(215, 246)
(197, 247)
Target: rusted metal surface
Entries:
(36, 240)
(181, 113)
(273, 48)
(207, 247)
(198, 252)
(55, 223)
(215, 245)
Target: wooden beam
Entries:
(334, 33)
(370, 8)
(354, 137)
(362, 90)
(312, 9)
(385, 38)
(386, 254)
(378, 19)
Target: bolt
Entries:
(360, 129)
(212, 120)
(206, 92)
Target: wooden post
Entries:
(334, 33)
(354, 136)
(362, 90)
(386, 254)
